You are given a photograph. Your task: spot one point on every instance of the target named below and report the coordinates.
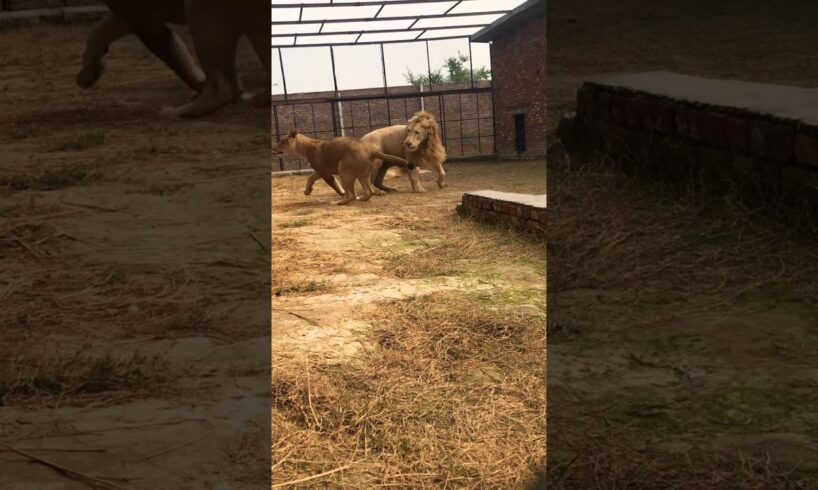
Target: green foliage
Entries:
(456, 68)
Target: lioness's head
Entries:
(421, 128)
(287, 143)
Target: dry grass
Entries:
(634, 255)
(649, 252)
(621, 461)
(458, 246)
(113, 235)
(682, 246)
(49, 379)
(302, 286)
(449, 389)
(66, 175)
(451, 397)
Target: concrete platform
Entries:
(759, 135)
(524, 211)
(58, 15)
(777, 101)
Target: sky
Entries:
(309, 69)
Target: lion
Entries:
(346, 157)
(418, 141)
(215, 28)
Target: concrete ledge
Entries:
(522, 211)
(286, 173)
(759, 134)
(60, 15)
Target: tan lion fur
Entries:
(215, 27)
(346, 157)
(418, 141)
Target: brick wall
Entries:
(761, 142)
(518, 70)
(466, 120)
(520, 211)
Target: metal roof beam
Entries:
(363, 3)
(365, 43)
(383, 31)
(402, 17)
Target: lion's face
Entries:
(415, 136)
(287, 143)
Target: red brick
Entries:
(634, 111)
(681, 119)
(619, 109)
(586, 101)
(715, 129)
(738, 134)
(758, 138)
(518, 65)
(657, 116)
(534, 215)
(781, 142)
(806, 148)
(696, 125)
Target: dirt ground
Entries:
(133, 341)
(683, 325)
(409, 344)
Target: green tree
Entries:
(418, 80)
(456, 68)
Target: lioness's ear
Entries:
(293, 132)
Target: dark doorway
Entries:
(519, 132)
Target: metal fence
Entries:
(465, 116)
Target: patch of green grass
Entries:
(538, 265)
(756, 403)
(512, 296)
(294, 224)
(65, 176)
(78, 142)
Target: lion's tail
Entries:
(393, 160)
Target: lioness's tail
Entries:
(393, 160)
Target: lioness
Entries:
(215, 27)
(346, 157)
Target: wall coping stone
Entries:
(778, 101)
(536, 201)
